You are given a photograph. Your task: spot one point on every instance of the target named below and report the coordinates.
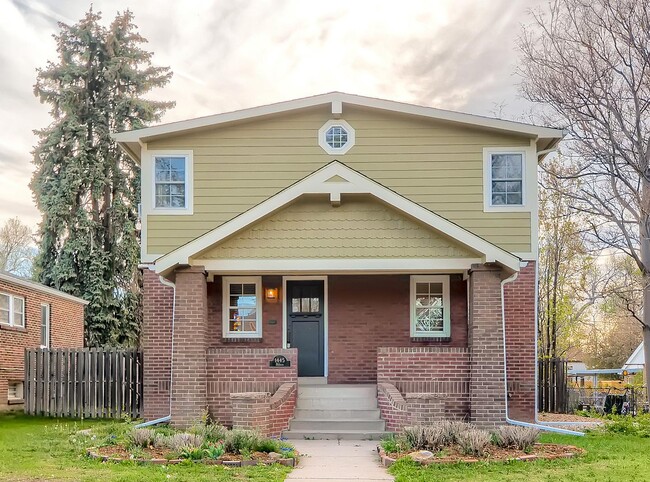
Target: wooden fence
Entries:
(84, 383)
(552, 389)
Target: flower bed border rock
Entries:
(572, 452)
(227, 463)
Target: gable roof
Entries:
(41, 288)
(636, 358)
(547, 138)
(336, 179)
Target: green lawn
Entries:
(44, 449)
(609, 457)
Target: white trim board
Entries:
(32, 285)
(325, 314)
(355, 183)
(129, 140)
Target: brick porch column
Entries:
(486, 387)
(189, 377)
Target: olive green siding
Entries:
(433, 163)
(358, 228)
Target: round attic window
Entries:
(336, 136)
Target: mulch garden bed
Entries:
(152, 455)
(453, 454)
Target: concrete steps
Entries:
(336, 412)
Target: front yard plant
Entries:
(39, 448)
(452, 441)
(203, 442)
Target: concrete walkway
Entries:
(341, 460)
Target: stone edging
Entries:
(571, 453)
(226, 463)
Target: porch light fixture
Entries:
(271, 295)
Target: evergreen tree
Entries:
(86, 188)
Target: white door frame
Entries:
(325, 300)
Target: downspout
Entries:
(166, 418)
(505, 367)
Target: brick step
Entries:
(329, 403)
(336, 414)
(336, 425)
(337, 435)
(338, 391)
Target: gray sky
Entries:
(227, 55)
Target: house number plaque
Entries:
(279, 361)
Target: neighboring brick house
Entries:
(369, 242)
(31, 316)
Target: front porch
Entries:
(350, 329)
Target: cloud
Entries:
(454, 54)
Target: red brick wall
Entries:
(367, 312)
(241, 370)
(156, 342)
(271, 333)
(66, 331)
(283, 405)
(519, 299)
(431, 369)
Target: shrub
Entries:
(268, 445)
(521, 438)
(628, 425)
(474, 441)
(415, 436)
(395, 444)
(239, 440)
(212, 432)
(436, 436)
(141, 437)
(179, 441)
(453, 428)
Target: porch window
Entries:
(242, 307)
(12, 310)
(430, 313)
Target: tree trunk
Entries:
(646, 333)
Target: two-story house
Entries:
(388, 251)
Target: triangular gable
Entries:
(357, 183)
(361, 227)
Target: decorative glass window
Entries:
(242, 305)
(430, 311)
(336, 136)
(506, 179)
(12, 310)
(170, 182)
(45, 326)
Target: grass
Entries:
(609, 457)
(33, 448)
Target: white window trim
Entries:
(226, 281)
(12, 322)
(49, 324)
(332, 150)
(487, 180)
(189, 183)
(446, 320)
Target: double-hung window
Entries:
(242, 307)
(430, 310)
(171, 182)
(506, 179)
(12, 310)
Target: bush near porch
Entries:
(36, 448)
(609, 457)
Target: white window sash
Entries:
(520, 179)
(11, 312)
(446, 306)
(234, 280)
(183, 183)
(45, 324)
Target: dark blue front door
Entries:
(306, 325)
